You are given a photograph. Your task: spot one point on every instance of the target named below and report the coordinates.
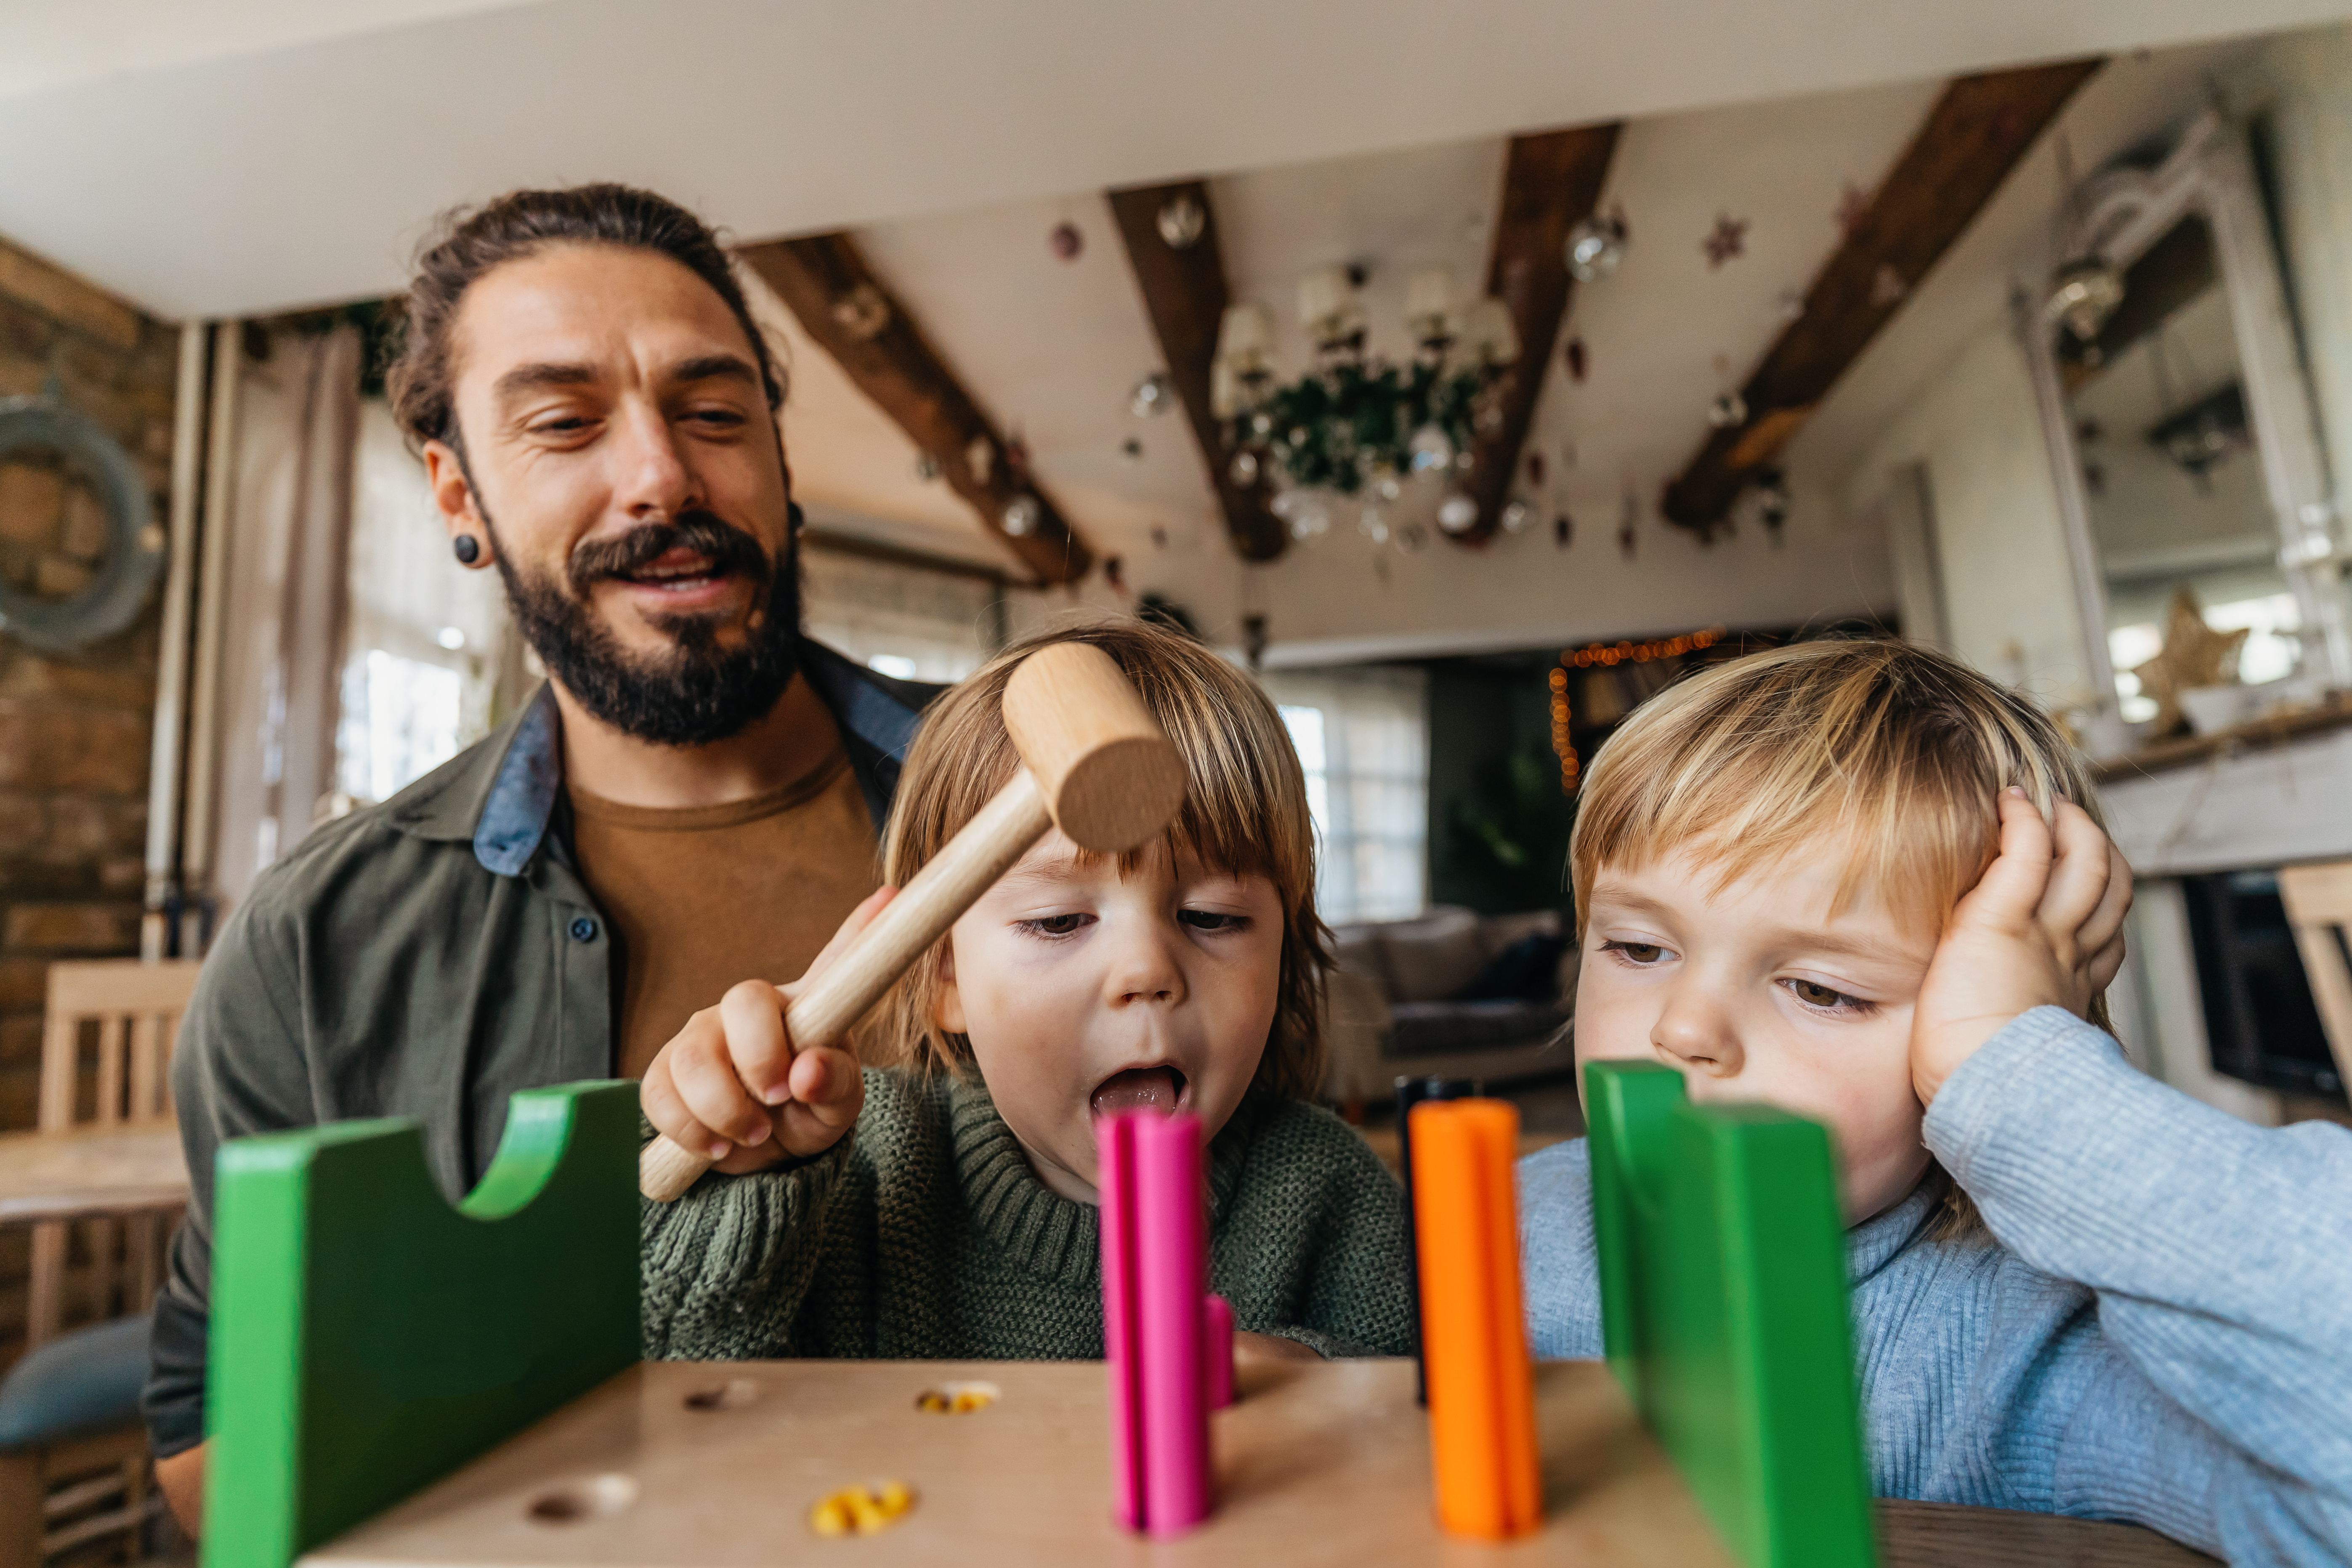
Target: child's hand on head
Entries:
(734, 1084)
(2042, 927)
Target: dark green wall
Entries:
(1497, 823)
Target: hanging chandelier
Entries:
(1355, 424)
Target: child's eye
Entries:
(1812, 994)
(1638, 953)
(1212, 920)
(1052, 925)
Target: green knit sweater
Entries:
(926, 1233)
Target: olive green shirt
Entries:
(926, 1233)
(424, 958)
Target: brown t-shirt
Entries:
(706, 895)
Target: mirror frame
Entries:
(2122, 213)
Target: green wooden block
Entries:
(1724, 1312)
(367, 1338)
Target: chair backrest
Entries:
(2318, 901)
(137, 1007)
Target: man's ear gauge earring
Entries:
(468, 549)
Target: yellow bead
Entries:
(895, 1497)
(829, 1518)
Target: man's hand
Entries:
(734, 1085)
(2044, 926)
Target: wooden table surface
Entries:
(679, 1465)
(92, 1171)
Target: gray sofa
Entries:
(1392, 1011)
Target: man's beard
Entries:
(697, 693)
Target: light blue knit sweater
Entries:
(2163, 1335)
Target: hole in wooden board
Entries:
(958, 1398)
(732, 1395)
(592, 1497)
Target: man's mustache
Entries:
(729, 549)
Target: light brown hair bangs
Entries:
(1893, 750)
(1245, 811)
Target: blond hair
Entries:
(1245, 811)
(1895, 751)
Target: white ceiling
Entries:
(250, 155)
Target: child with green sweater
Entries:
(942, 1203)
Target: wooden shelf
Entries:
(2331, 712)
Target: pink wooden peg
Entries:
(1155, 1319)
(1115, 1184)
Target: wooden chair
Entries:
(2318, 901)
(135, 1008)
(73, 1453)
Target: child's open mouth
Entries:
(1162, 1088)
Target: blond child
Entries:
(943, 1206)
(1861, 882)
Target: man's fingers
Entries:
(759, 1044)
(2078, 880)
(2012, 888)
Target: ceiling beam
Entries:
(854, 317)
(1552, 182)
(1184, 292)
(1977, 131)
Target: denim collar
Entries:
(501, 793)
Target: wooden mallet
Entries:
(1096, 765)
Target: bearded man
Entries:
(693, 796)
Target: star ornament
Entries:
(2194, 654)
(1727, 239)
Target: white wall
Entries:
(2304, 80)
(2009, 592)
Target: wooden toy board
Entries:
(1317, 1464)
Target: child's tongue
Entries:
(1138, 1088)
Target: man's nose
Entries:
(1696, 1033)
(1143, 966)
(653, 479)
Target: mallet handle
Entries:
(965, 868)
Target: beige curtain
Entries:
(285, 603)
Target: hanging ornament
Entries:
(1772, 501)
(1563, 529)
(1431, 451)
(1457, 514)
(1016, 455)
(1536, 469)
(1628, 513)
(1181, 220)
(1131, 450)
(1596, 244)
(927, 467)
(1244, 469)
(1066, 242)
(1373, 525)
(1154, 394)
(1727, 410)
(1576, 360)
(1413, 538)
(1387, 487)
(1515, 516)
(1309, 519)
(1727, 239)
(862, 313)
(1022, 515)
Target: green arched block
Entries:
(1725, 1311)
(367, 1338)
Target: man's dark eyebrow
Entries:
(715, 367)
(540, 376)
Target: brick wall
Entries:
(73, 728)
